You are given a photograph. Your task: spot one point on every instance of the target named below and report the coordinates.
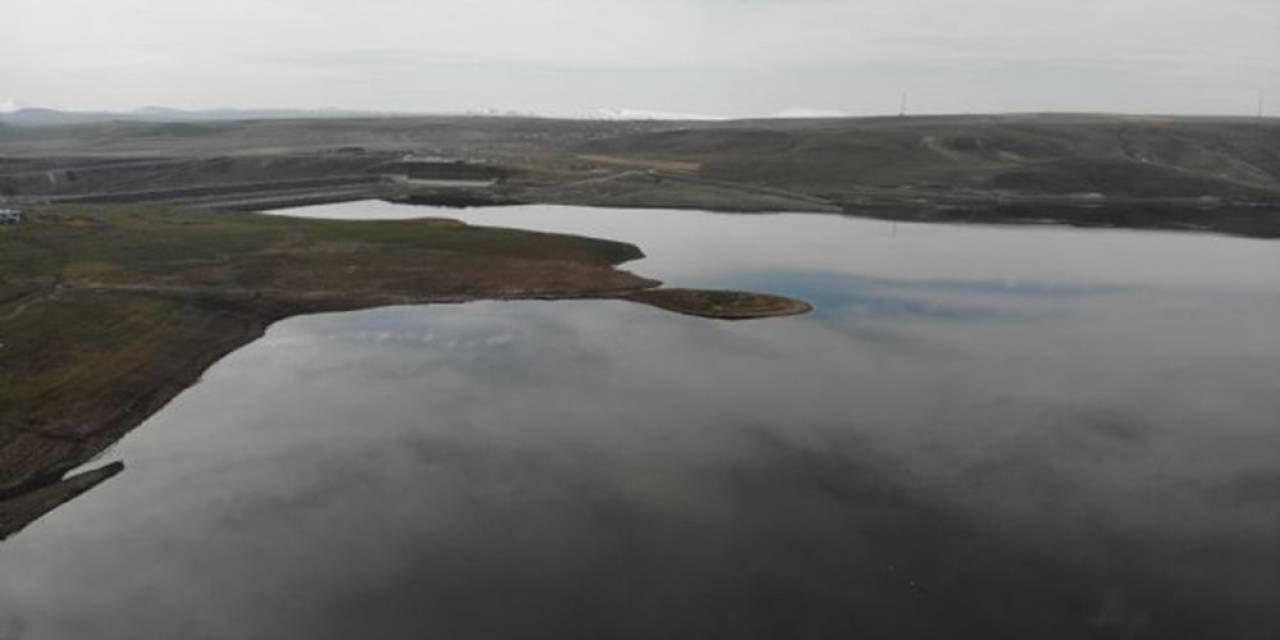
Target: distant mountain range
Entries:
(37, 116)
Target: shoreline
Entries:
(151, 338)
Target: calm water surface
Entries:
(980, 432)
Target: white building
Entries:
(10, 216)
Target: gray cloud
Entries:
(736, 57)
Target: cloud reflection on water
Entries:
(928, 455)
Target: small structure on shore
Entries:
(448, 173)
(10, 216)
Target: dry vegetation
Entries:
(674, 166)
(1217, 174)
(107, 313)
(726, 305)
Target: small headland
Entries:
(108, 312)
(723, 305)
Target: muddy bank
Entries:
(18, 512)
(1250, 220)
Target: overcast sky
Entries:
(716, 57)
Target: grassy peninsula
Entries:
(106, 313)
(724, 305)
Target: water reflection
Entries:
(977, 445)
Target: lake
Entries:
(979, 432)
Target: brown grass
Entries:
(725, 305)
(636, 162)
(107, 313)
